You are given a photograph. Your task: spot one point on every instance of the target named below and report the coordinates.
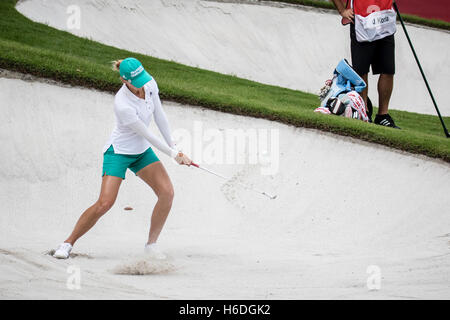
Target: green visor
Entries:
(132, 71)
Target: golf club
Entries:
(241, 184)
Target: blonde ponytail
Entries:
(116, 65)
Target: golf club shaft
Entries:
(227, 178)
(421, 70)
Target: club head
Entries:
(269, 196)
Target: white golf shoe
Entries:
(63, 251)
(152, 250)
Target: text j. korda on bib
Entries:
(374, 20)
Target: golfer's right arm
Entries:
(129, 118)
(141, 129)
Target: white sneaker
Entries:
(152, 250)
(63, 251)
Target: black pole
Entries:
(421, 71)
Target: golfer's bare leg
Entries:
(365, 92)
(156, 177)
(385, 86)
(108, 195)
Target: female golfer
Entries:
(129, 147)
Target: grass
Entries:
(35, 48)
(434, 23)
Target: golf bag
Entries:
(340, 95)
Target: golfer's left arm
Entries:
(161, 120)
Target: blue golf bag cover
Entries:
(345, 79)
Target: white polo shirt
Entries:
(129, 109)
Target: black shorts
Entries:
(379, 53)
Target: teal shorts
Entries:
(117, 164)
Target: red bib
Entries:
(374, 19)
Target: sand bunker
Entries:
(318, 239)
